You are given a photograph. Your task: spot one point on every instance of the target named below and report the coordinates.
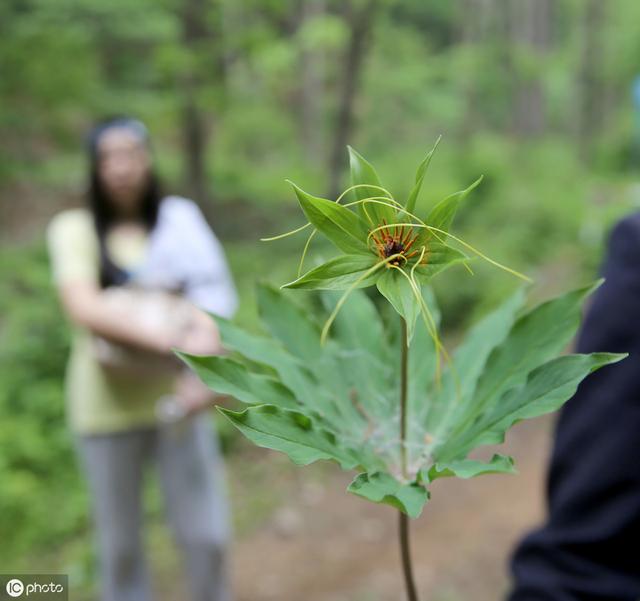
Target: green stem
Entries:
(405, 551)
(404, 366)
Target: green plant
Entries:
(371, 393)
(36, 453)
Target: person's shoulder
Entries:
(177, 203)
(623, 241)
(70, 221)
(627, 226)
(182, 211)
(179, 206)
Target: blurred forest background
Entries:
(241, 94)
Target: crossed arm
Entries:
(86, 305)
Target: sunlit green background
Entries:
(536, 95)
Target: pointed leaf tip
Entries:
(420, 175)
(367, 186)
(443, 213)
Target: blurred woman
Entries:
(132, 239)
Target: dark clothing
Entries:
(589, 548)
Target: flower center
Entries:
(393, 247)
(395, 240)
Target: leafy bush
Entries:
(37, 462)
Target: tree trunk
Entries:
(590, 82)
(531, 28)
(476, 27)
(360, 20)
(194, 127)
(195, 142)
(311, 68)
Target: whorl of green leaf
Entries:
(340, 402)
(384, 243)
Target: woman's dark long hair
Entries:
(104, 213)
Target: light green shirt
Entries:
(99, 400)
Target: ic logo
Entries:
(15, 588)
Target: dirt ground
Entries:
(326, 545)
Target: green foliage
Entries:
(380, 403)
(339, 402)
(36, 456)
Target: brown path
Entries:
(327, 545)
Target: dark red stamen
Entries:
(397, 242)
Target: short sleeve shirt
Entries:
(99, 400)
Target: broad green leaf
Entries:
(483, 337)
(228, 376)
(422, 369)
(536, 336)
(545, 390)
(398, 291)
(295, 434)
(339, 273)
(361, 362)
(339, 224)
(362, 172)
(312, 388)
(420, 173)
(470, 468)
(288, 323)
(361, 353)
(291, 371)
(295, 329)
(358, 325)
(545, 386)
(468, 361)
(381, 487)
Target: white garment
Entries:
(184, 254)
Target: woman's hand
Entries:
(144, 322)
(200, 336)
(114, 317)
(192, 393)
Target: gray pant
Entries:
(193, 484)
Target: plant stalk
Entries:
(404, 377)
(405, 551)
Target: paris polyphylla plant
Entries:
(370, 393)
